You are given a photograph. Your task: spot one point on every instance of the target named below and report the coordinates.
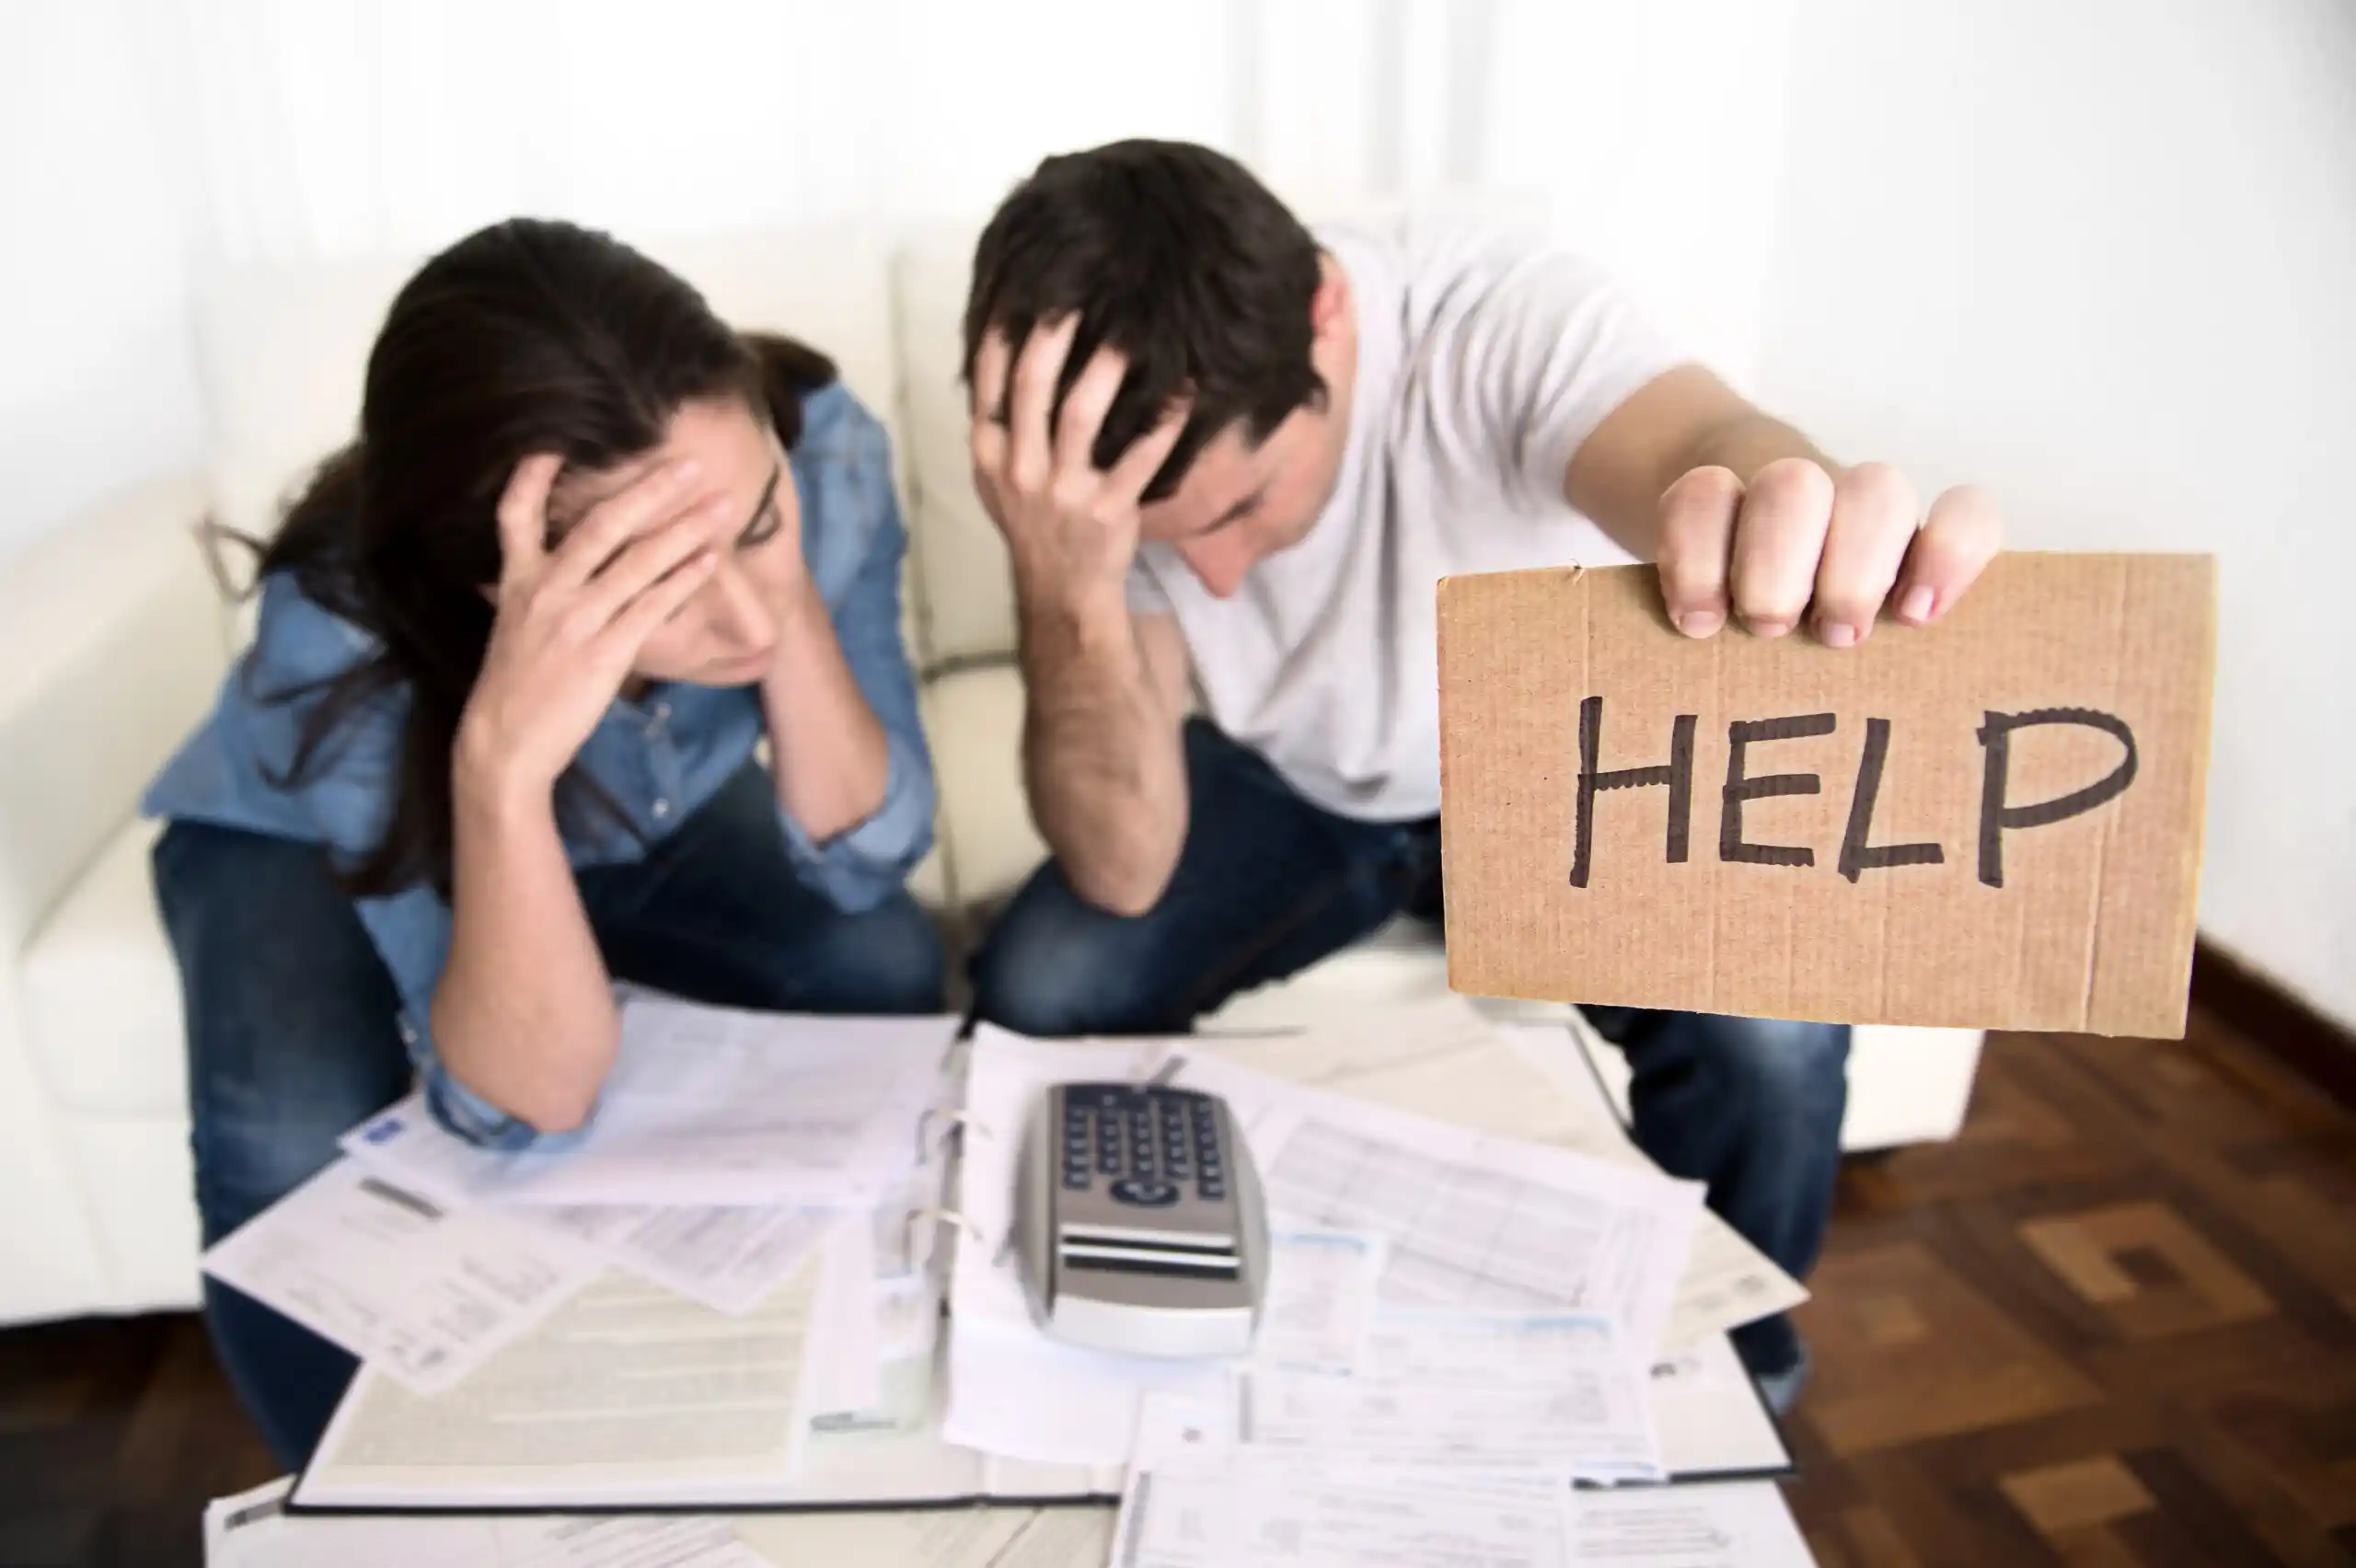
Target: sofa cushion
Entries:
(969, 601)
(1401, 963)
(102, 992)
(975, 719)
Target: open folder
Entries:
(631, 1398)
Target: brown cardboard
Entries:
(2091, 928)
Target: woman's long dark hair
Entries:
(524, 338)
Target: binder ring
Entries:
(934, 1217)
(957, 1121)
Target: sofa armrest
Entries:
(112, 643)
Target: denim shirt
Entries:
(660, 757)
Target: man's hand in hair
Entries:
(1071, 527)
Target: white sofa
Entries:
(113, 637)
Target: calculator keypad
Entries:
(1147, 1146)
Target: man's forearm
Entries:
(1746, 443)
(1682, 420)
(1100, 753)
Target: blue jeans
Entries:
(1268, 884)
(293, 1039)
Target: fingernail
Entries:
(1699, 623)
(1840, 634)
(1769, 628)
(1919, 602)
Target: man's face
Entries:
(1241, 504)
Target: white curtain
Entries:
(329, 128)
(150, 142)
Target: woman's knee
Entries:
(887, 960)
(291, 1018)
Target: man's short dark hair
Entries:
(1175, 255)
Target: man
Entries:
(1233, 458)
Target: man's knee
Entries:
(1054, 965)
(1779, 1063)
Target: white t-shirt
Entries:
(1485, 357)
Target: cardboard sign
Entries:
(1994, 822)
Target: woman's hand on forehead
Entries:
(698, 437)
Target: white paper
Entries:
(729, 1258)
(251, 1531)
(911, 1264)
(1472, 1220)
(907, 1318)
(1349, 1047)
(421, 1293)
(1442, 1058)
(1017, 1394)
(705, 1105)
(935, 1538)
(1708, 1416)
(1554, 1392)
(1195, 1500)
(845, 1350)
(1727, 1282)
(627, 1395)
(1740, 1526)
(1319, 1300)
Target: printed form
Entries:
(712, 1408)
(1443, 1058)
(1728, 1282)
(1545, 1393)
(1472, 1220)
(705, 1106)
(1196, 1500)
(421, 1293)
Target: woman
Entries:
(492, 748)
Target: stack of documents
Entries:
(727, 1294)
(738, 1251)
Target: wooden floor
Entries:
(2113, 1325)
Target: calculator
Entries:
(1138, 1223)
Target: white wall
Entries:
(2102, 257)
(97, 386)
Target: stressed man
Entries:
(1232, 458)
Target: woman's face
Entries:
(727, 634)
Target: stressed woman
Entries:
(493, 746)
